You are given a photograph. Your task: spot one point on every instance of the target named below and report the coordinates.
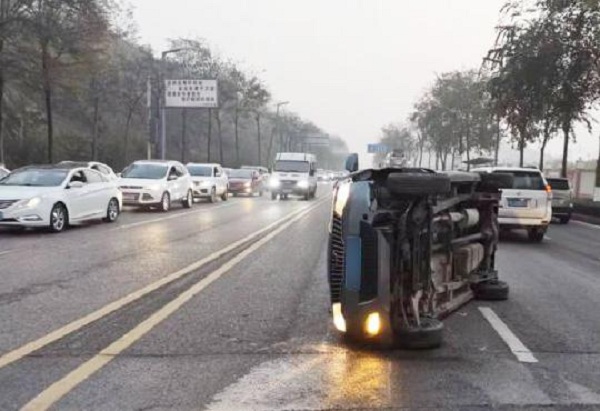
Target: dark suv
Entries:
(562, 199)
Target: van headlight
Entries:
(274, 183)
(303, 184)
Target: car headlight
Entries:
(31, 203)
(247, 184)
(274, 182)
(303, 184)
(153, 187)
(204, 183)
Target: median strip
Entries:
(58, 334)
(62, 387)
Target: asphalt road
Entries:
(225, 307)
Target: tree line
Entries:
(541, 76)
(74, 84)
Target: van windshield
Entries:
(292, 166)
(525, 180)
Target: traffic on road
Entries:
(299, 205)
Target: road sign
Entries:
(377, 148)
(191, 93)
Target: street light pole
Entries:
(277, 121)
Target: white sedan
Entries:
(56, 196)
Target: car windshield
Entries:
(292, 166)
(145, 171)
(525, 180)
(200, 171)
(35, 178)
(241, 173)
(559, 184)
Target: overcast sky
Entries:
(350, 66)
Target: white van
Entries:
(527, 204)
(294, 173)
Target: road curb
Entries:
(586, 218)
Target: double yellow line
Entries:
(63, 386)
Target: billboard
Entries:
(191, 93)
(377, 148)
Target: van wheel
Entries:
(273, 196)
(213, 195)
(536, 235)
(492, 290)
(427, 336)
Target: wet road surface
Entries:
(225, 307)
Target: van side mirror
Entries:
(352, 163)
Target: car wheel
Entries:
(260, 193)
(59, 218)
(492, 290)
(273, 196)
(426, 336)
(213, 195)
(112, 211)
(225, 196)
(536, 235)
(188, 201)
(165, 202)
(284, 197)
(307, 196)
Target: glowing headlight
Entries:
(275, 183)
(373, 324)
(338, 318)
(247, 184)
(341, 199)
(303, 184)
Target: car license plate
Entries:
(518, 202)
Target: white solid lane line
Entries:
(59, 333)
(584, 224)
(172, 216)
(516, 346)
(60, 388)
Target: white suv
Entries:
(210, 181)
(156, 183)
(527, 204)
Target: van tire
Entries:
(492, 290)
(536, 234)
(429, 335)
